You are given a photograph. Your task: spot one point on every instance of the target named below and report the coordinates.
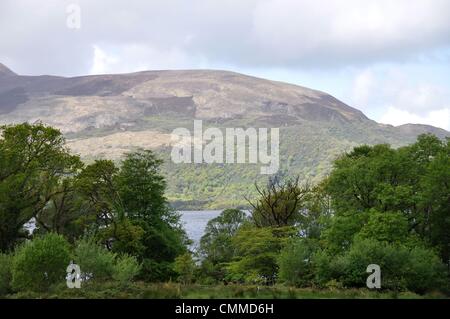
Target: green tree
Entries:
(126, 268)
(279, 204)
(411, 181)
(5, 273)
(33, 166)
(141, 189)
(185, 267)
(216, 247)
(126, 208)
(40, 263)
(215, 244)
(436, 201)
(402, 268)
(257, 250)
(295, 262)
(95, 261)
(391, 227)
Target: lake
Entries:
(194, 222)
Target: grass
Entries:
(142, 290)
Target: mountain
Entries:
(104, 116)
(4, 71)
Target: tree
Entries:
(215, 244)
(141, 189)
(40, 263)
(126, 208)
(185, 267)
(257, 250)
(436, 201)
(411, 181)
(100, 206)
(390, 227)
(5, 273)
(402, 268)
(279, 204)
(295, 262)
(216, 247)
(34, 164)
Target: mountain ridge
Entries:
(104, 116)
(5, 71)
(29, 80)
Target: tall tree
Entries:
(280, 203)
(141, 187)
(411, 181)
(33, 166)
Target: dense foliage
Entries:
(379, 205)
(114, 220)
(40, 263)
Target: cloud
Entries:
(252, 33)
(400, 96)
(342, 41)
(363, 87)
(439, 118)
(103, 63)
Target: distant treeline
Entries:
(379, 205)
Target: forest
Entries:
(378, 205)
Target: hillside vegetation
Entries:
(105, 116)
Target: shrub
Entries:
(418, 269)
(425, 271)
(328, 269)
(153, 271)
(257, 251)
(391, 259)
(126, 268)
(94, 260)
(5, 273)
(390, 227)
(295, 264)
(184, 266)
(40, 263)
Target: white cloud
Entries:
(422, 98)
(349, 31)
(438, 118)
(395, 95)
(137, 57)
(363, 88)
(102, 62)
(327, 36)
(245, 34)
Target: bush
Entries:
(391, 259)
(94, 260)
(153, 271)
(126, 268)
(40, 263)
(328, 269)
(257, 251)
(425, 271)
(391, 227)
(295, 264)
(418, 269)
(5, 274)
(184, 266)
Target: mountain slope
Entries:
(107, 115)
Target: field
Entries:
(141, 290)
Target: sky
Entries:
(388, 58)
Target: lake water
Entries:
(194, 222)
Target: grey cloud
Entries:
(253, 33)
